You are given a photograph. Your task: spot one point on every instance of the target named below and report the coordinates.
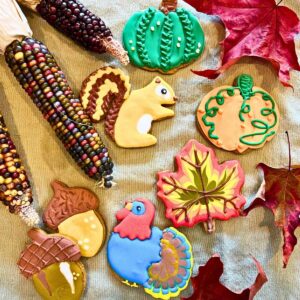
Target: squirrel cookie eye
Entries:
(162, 91)
(138, 208)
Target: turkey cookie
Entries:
(163, 39)
(128, 115)
(159, 260)
(52, 261)
(72, 211)
(239, 117)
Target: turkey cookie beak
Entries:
(123, 213)
(175, 98)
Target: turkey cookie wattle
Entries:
(159, 260)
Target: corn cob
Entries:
(77, 22)
(15, 190)
(38, 73)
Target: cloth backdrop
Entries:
(135, 170)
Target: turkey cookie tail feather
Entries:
(171, 275)
(102, 95)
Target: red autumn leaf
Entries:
(201, 189)
(207, 284)
(255, 28)
(280, 192)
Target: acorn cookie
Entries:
(163, 39)
(52, 261)
(239, 117)
(72, 211)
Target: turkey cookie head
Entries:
(72, 211)
(135, 219)
(52, 261)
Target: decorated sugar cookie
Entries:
(52, 261)
(73, 212)
(163, 39)
(159, 260)
(201, 189)
(239, 117)
(128, 115)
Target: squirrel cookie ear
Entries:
(157, 79)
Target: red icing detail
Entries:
(133, 226)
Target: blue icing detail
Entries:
(130, 259)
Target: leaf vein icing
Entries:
(141, 34)
(166, 43)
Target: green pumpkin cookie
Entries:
(163, 39)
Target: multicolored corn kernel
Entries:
(77, 22)
(43, 80)
(15, 190)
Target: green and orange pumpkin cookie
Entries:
(238, 117)
(163, 39)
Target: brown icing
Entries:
(45, 250)
(112, 101)
(42, 277)
(68, 202)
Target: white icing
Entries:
(132, 48)
(197, 51)
(179, 39)
(152, 28)
(178, 45)
(144, 123)
(65, 270)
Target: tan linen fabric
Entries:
(135, 170)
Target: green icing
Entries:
(244, 85)
(158, 41)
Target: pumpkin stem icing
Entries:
(245, 84)
(167, 6)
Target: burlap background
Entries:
(135, 170)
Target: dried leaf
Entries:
(201, 190)
(280, 192)
(207, 284)
(255, 28)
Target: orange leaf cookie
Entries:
(240, 117)
(72, 211)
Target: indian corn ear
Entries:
(38, 73)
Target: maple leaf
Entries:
(280, 192)
(207, 284)
(201, 190)
(255, 28)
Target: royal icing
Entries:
(128, 115)
(160, 261)
(237, 118)
(65, 281)
(163, 40)
(72, 211)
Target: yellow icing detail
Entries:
(59, 286)
(145, 101)
(76, 228)
(104, 88)
(174, 294)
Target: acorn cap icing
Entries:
(68, 202)
(45, 250)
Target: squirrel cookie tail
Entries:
(102, 95)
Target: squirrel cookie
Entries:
(73, 212)
(128, 114)
(163, 39)
(52, 261)
(239, 117)
(159, 260)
